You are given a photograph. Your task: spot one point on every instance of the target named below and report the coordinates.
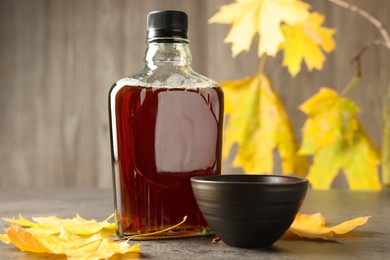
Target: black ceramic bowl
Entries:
(249, 210)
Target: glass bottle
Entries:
(166, 126)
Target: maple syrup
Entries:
(166, 127)
(164, 137)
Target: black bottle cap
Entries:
(167, 24)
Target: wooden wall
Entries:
(59, 58)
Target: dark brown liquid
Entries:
(160, 139)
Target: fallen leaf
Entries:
(77, 238)
(95, 247)
(25, 240)
(262, 17)
(335, 137)
(21, 221)
(306, 41)
(5, 239)
(258, 123)
(77, 225)
(314, 227)
(53, 225)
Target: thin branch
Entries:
(358, 56)
(374, 21)
(367, 16)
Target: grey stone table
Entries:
(371, 241)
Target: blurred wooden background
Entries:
(59, 58)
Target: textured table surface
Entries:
(371, 241)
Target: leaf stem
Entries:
(351, 84)
(153, 233)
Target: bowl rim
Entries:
(296, 179)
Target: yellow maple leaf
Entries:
(53, 225)
(94, 247)
(262, 17)
(21, 221)
(77, 238)
(304, 41)
(314, 227)
(5, 239)
(258, 123)
(329, 117)
(337, 140)
(24, 240)
(72, 245)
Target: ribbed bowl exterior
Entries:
(249, 210)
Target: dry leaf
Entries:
(25, 240)
(5, 239)
(21, 221)
(258, 123)
(53, 225)
(263, 17)
(314, 227)
(77, 238)
(335, 137)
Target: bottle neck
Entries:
(167, 52)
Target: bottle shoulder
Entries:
(168, 78)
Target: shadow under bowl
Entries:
(249, 210)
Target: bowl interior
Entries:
(250, 179)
